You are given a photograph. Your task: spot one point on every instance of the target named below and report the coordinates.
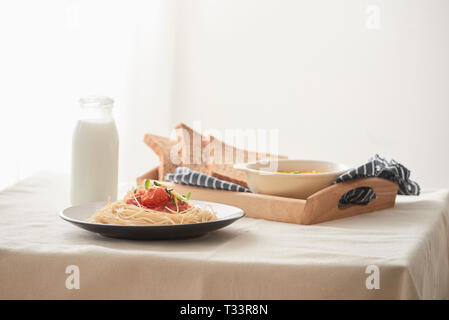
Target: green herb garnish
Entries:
(172, 197)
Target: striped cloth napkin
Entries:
(374, 167)
(382, 168)
(184, 175)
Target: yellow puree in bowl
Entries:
(299, 172)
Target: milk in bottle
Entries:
(94, 152)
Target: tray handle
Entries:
(323, 205)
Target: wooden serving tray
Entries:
(319, 207)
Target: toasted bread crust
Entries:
(231, 177)
(223, 168)
(208, 155)
(196, 149)
(162, 146)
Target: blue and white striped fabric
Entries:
(184, 175)
(382, 168)
(375, 167)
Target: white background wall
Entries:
(53, 52)
(335, 88)
(311, 68)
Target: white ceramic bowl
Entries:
(262, 176)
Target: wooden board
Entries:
(320, 207)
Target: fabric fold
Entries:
(185, 176)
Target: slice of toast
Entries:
(225, 156)
(201, 153)
(163, 147)
(230, 174)
(214, 157)
(196, 153)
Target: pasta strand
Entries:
(121, 213)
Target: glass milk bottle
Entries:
(94, 153)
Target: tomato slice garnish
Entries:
(156, 199)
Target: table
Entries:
(251, 259)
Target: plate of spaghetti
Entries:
(152, 211)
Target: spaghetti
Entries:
(153, 204)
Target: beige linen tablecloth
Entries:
(251, 259)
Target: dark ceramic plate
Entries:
(79, 214)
